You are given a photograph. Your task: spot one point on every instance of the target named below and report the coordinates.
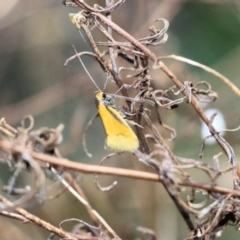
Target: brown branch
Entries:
(126, 35)
(92, 169)
(38, 221)
(14, 216)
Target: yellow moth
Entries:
(120, 136)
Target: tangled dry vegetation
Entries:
(36, 151)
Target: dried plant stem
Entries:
(234, 88)
(123, 33)
(92, 169)
(38, 221)
(179, 203)
(86, 204)
(81, 193)
(221, 141)
(14, 216)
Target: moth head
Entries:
(104, 98)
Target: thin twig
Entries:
(38, 221)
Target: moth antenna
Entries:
(87, 43)
(84, 39)
(118, 90)
(105, 84)
(89, 75)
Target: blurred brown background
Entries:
(36, 38)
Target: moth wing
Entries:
(120, 137)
